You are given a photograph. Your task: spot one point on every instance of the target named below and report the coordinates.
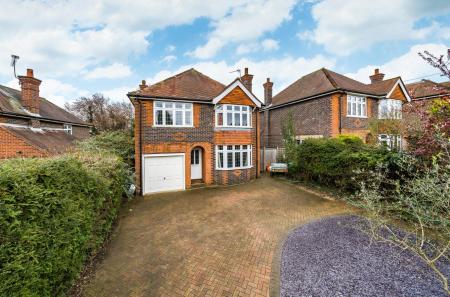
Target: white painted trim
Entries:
(14, 125)
(237, 83)
(402, 86)
(161, 155)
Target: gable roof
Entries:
(427, 88)
(190, 84)
(11, 103)
(234, 84)
(325, 81)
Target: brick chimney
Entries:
(268, 91)
(377, 76)
(247, 79)
(30, 91)
(143, 85)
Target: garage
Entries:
(163, 172)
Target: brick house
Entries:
(427, 90)
(191, 129)
(31, 126)
(327, 104)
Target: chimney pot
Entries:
(143, 84)
(246, 70)
(30, 73)
(377, 71)
(247, 79)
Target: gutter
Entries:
(17, 115)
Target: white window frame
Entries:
(389, 140)
(393, 109)
(68, 129)
(185, 107)
(353, 102)
(224, 110)
(225, 149)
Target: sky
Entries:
(78, 48)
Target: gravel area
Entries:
(331, 258)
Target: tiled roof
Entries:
(190, 84)
(53, 141)
(10, 102)
(426, 88)
(324, 81)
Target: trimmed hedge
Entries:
(54, 213)
(336, 162)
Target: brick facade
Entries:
(12, 146)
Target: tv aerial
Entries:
(14, 59)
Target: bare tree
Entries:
(102, 113)
(440, 62)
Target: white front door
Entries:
(163, 172)
(196, 164)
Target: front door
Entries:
(196, 164)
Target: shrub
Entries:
(335, 162)
(54, 213)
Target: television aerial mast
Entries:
(14, 59)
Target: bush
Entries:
(54, 213)
(335, 162)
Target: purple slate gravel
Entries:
(330, 257)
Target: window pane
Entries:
(364, 110)
(220, 107)
(178, 105)
(220, 160)
(159, 104)
(229, 147)
(237, 159)
(244, 147)
(169, 117)
(230, 160)
(188, 117)
(237, 119)
(237, 147)
(349, 108)
(359, 112)
(354, 108)
(192, 157)
(188, 105)
(179, 118)
(237, 108)
(229, 119)
(220, 119)
(244, 159)
(159, 117)
(229, 107)
(244, 120)
(168, 105)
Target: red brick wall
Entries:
(12, 146)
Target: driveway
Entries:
(221, 241)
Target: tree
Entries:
(102, 113)
(438, 62)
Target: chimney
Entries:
(377, 76)
(247, 79)
(268, 91)
(143, 85)
(30, 91)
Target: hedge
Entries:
(54, 213)
(336, 162)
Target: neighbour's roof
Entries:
(53, 141)
(10, 102)
(427, 88)
(190, 84)
(323, 81)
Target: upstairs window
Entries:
(233, 116)
(356, 106)
(68, 128)
(233, 156)
(172, 114)
(390, 109)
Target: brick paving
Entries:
(219, 241)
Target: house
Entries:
(31, 126)
(191, 129)
(327, 104)
(427, 90)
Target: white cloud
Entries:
(245, 23)
(265, 45)
(282, 71)
(270, 44)
(169, 59)
(345, 26)
(409, 65)
(116, 70)
(119, 94)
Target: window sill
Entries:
(232, 128)
(358, 117)
(238, 168)
(171, 126)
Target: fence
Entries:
(271, 155)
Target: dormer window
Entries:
(228, 115)
(356, 106)
(68, 128)
(390, 109)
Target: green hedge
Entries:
(54, 213)
(336, 162)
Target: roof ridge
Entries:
(330, 79)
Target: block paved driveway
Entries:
(221, 241)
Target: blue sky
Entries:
(78, 48)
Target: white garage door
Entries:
(163, 173)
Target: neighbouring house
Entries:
(191, 129)
(31, 126)
(327, 104)
(427, 90)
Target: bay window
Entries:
(390, 109)
(172, 114)
(356, 106)
(233, 156)
(228, 115)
